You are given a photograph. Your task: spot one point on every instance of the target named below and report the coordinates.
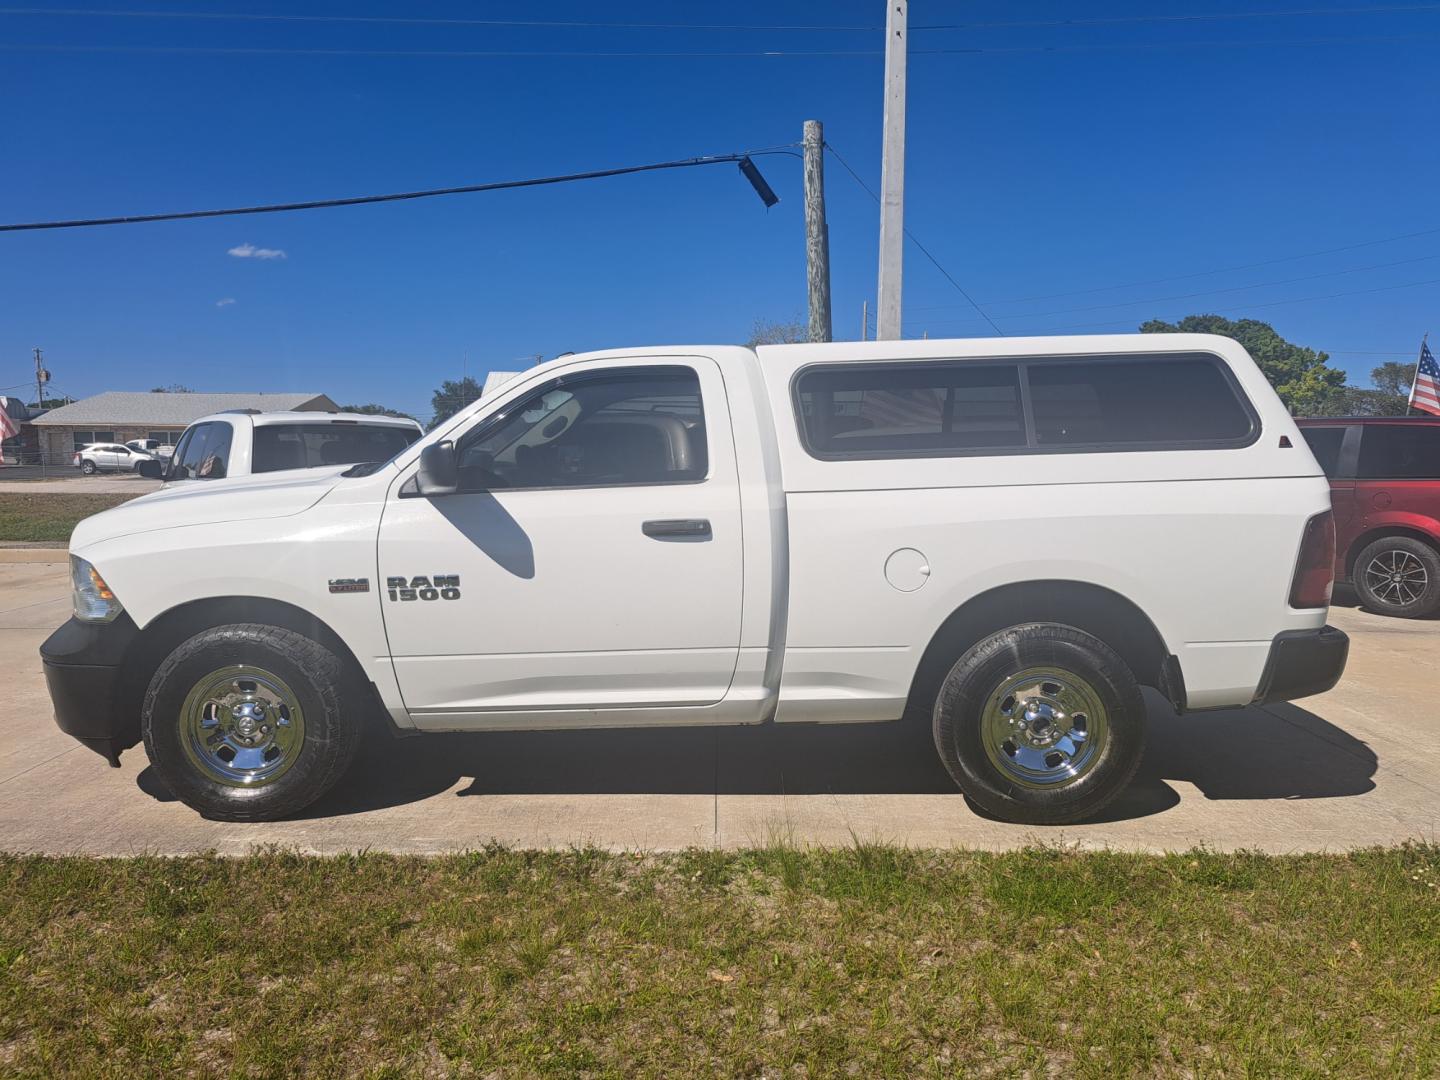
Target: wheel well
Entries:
(1366, 539)
(162, 634)
(1106, 614)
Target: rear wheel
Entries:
(1398, 575)
(1040, 724)
(87, 467)
(244, 722)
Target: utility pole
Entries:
(817, 232)
(892, 175)
(41, 378)
(864, 319)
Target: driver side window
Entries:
(203, 454)
(628, 426)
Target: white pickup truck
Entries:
(1004, 538)
(242, 442)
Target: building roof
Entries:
(171, 410)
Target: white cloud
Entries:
(250, 251)
(225, 301)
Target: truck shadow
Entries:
(1274, 752)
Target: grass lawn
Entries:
(48, 515)
(866, 961)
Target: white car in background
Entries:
(245, 442)
(154, 447)
(110, 457)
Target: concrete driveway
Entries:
(33, 482)
(1355, 767)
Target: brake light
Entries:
(1315, 568)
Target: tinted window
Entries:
(166, 438)
(1127, 402)
(302, 446)
(900, 408)
(84, 438)
(204, 453)
(1400, 451)
(1325, 445)
(634, 426)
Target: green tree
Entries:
(452, 396)
(1389, 394)
(1394, 377)
(1305, 382)
(173, 388)
(765, 332)
(375, 410)
(1393, 380)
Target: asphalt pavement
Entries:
(1355, 767)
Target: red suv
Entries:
(1385, 486)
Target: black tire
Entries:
(1110, 755)
(88, 468)
(1415, 595)
(328, 735)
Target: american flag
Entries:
(8, 427)
(1425, 394)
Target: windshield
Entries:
(303, 446)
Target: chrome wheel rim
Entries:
(1044, 727)
(1396, 577)
(242, 725)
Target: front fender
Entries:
(291, 560)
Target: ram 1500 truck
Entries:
(1005, 538)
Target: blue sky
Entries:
(1056, 161)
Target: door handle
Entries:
(677, 529)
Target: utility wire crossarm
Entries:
(747, 168)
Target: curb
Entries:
(34, 555)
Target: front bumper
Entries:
(84, 666)
(1301, 663)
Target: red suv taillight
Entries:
(1315, 568)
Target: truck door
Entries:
(591, 559)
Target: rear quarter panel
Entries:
(1203, 541)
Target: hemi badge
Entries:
(349, 584)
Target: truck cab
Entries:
(1002, 539)
(245, 442)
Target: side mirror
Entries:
(151, 469)
(439, 470)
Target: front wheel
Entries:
(1040, 724)
(1398, 575)
(244, 722)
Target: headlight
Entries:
(94, 602)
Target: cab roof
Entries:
(266, 419)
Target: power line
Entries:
(494, 54)
(316, 204)
(586, 24)
(1215, 292)
(1220, 16)
(1247, 306)
(915, 240)
(1220, 270)
(558, 24)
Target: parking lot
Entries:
(1354, 767)
(23, 479)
